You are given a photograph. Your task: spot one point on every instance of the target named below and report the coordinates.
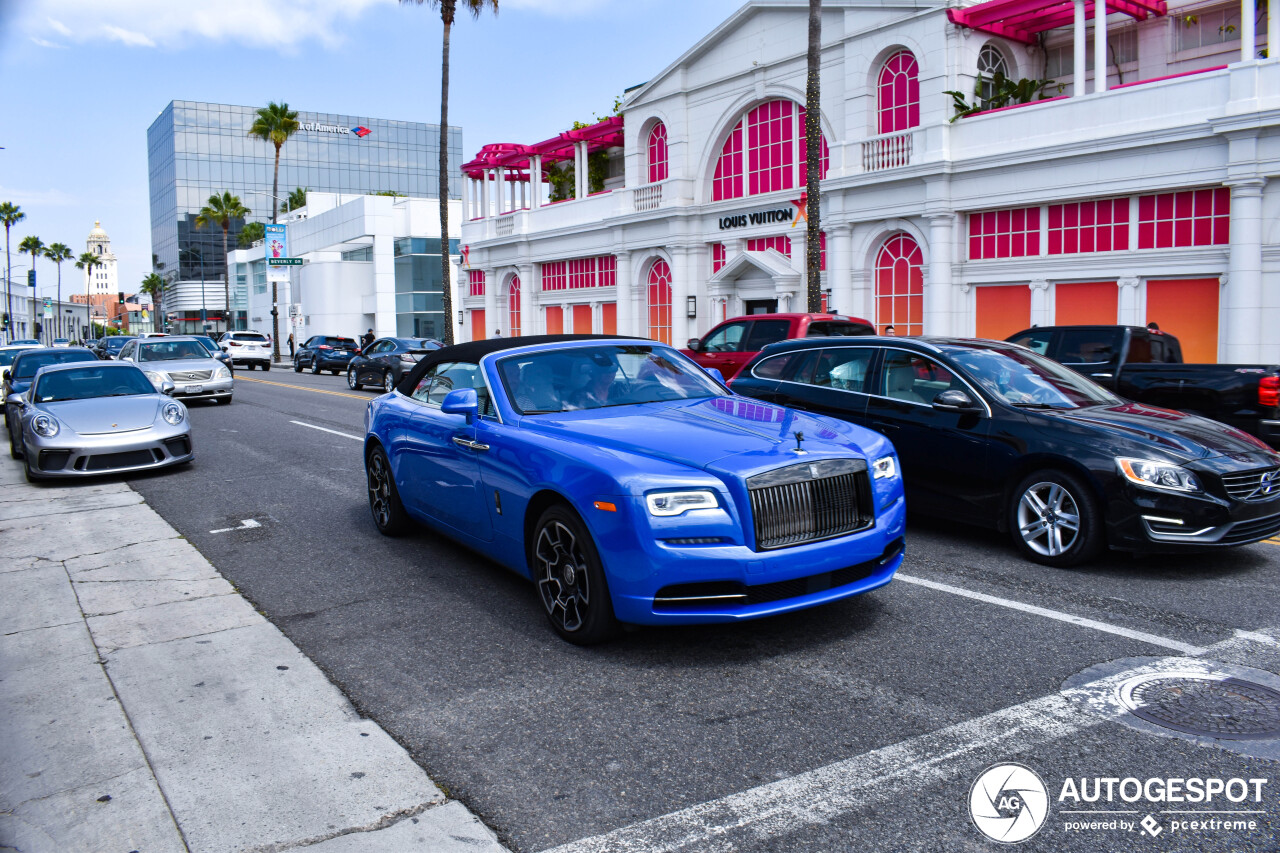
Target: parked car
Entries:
(209, 344)
(16, 379)
(1146, 366)
(252, 349)
(89, 343)
(9, 352)
(733, 343)
(325, 352)
(154, 335)
(27, 342)
(184, 362)
(385, 362)
(629, 486)
(61, 342)
(993, 434)
(109, 348)
(83, 419)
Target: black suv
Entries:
(109, 347)
(325, 352)
(386, 360)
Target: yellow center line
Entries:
(304, 388)
(1273, 541)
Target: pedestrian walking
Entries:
(291, 346)
(366, 339)
(888, 330)
(497, 333)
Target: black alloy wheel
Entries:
(352, 382)
(1055, 519)
(570, 578)
(266, 365)
(384, 500)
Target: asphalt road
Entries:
(861, 725)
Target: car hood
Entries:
(1178, 434)
(106, 414)
(736, 436)
(181, 365)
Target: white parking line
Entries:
(245, 524)
(331, 431)
(1141, 636)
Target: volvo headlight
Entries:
(157, 378)
(172, 413)
(1158, 475)
(44, 425)
(677, 503)
(884, 468)
(222, 372)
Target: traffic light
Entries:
(121, 298)
(6, 321)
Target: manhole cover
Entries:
(1225, 708)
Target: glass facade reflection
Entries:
(419, 289)
(196, 149)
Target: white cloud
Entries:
(555, 8)
(59, 28)
(127, 37)
(42, 43)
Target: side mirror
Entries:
(167, 388)
(695, 344)
(715, 374)
(463, 401)
(955, 401)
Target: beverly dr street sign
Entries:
(278, 254)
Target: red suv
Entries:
(730, 345)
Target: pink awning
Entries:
(1021, 20)
(510, 155)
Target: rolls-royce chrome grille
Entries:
(191, 375)
(1262, 485)
(810, 501)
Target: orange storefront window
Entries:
(1002, 311)
(609, 318)
(477, 324)
(900, 286)
(1085, 303)
(555, 320)
(1188, 310)
(582, 319)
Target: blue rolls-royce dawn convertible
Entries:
(631, 486)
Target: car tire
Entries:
(248, 365)
(569, 577)
(351, 380)
(388, 383)
(1055, 519)
(266, 365)
(315, 367)
(384, 499)
(15, 450)
(32, 476)
(297, 366)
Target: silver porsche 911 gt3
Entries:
(86, 418)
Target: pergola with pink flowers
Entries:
(508, 176)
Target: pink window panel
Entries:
(659, 301)
(900, 286)
(475, 278)
(658, 153)
(727, 182)
(824, 154)
(781, 244)
(771, 129)
(898, 93)
(718, 254)
(607, 267)
(822, 253)
(1187, 218)
(1012, 233)
(582, 273)
(1089, 226)
(554, 276)
(513, 306)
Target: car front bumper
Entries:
(1147, 520)
(211, 388)
(72, 455)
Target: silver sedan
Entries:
(86, 418)
(183, 361)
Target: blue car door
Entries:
(439, 465)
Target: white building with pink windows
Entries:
(1143, 194)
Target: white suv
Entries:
(249, 348)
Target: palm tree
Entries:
(11, 215)
(220, 210)
(251, 233)
(57, 252)
(86, 262)
(296, 199)
(34, 247)
(153, 286)
(813, 162)
(448, 8)
(275, 123)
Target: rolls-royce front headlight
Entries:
(884, 468)
(172, 413)
(677, 503)
(157, 378)
(44, 425)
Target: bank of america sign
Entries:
(316, 127)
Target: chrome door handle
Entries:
(466, 442)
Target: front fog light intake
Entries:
(172, 413)
(884, 468)
(676, 503)
(44, 425)
(1158, 475)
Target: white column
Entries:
(528, 310)
(679, 290)
(535, 181)
(1040, 313)
(937, 291)
(484, 193)
(1079, 72)
(491, 319)
(840, 242)
(1099, 45)
(1127, 310)
(500, 193)
(466, 198)
(524, 194)
(580, 168)
(626, 316)
(864, 303)
(1273, 33)
(1241, 340)
(1248, 30)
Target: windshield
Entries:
(599, 377)
(1021, 378)
(115, 343)
(249, 336)
(7, 356)
(82, 383)
(171, 351)
(26, 365)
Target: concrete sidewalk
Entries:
(145, 705)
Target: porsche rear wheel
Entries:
(570, 579)
(384, 500)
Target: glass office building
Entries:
(196, 149)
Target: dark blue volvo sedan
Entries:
(631, 486)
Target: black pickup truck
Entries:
(1146, 366)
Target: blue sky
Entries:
(85, 78)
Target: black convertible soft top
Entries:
(472, 351)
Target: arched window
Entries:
(899, 93)
(900, 286)
(658, 153)
(990, 63)
(765, 152)
(513, 306)
(660, 301)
